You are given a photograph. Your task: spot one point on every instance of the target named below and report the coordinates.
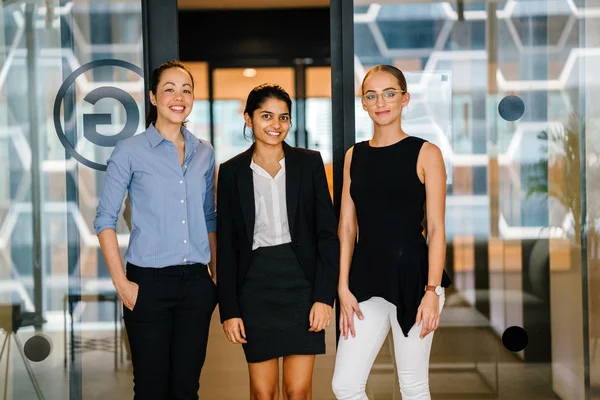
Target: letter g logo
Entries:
(91, 121)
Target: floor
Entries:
(456, 350)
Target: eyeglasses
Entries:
(388, 96)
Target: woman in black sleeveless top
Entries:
(392, 277)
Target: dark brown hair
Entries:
(155, 79)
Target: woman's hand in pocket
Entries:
(128, 292)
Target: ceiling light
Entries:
(249, 72)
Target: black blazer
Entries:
(313, 225)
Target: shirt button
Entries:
(182, 201)
(184, 241)
(185, 260)
(181, 181)
(185, 166)
(183, 221)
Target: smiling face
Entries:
(384, 97)
(174, 96)
(270, 122)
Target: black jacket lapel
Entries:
(246, 191)
(293, 170)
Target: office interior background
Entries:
(508, 89)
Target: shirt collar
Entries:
(255, 165)
(189, 136)
(258, 169)
(155, 138)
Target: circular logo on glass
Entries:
(91, 121)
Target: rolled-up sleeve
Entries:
(116, 182)
(210, 212)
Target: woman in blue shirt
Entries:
(167, 290)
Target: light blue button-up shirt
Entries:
(172, 205)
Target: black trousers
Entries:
(168, 330)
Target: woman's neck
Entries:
(169, 131)
(385, 135)
(267, 154)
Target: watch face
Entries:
(438, 290)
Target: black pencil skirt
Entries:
(275, 301)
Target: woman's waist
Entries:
(390, 241)
(382, 228)
(388, 256)
(383, 220)
(176, 270)
(161, 251)
(273, 249)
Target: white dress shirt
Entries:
(271, 225)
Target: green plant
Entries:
(558, 175)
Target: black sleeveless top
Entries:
(390, 259)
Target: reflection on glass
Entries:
(318, 125)
(199, 119)
(318, 116)
(48, 249)
(229, 128)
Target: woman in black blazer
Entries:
(278, 250)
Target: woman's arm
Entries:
(210, 215)
(347, 231)
(227, 266)
(327, 240)
(348, 227)
(433, 171)
(212, 265)
(126, 289)
(116, 181)
(328, 248)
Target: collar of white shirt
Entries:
(261, 171)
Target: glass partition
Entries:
(71, 85)
(520, 146)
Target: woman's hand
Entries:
(348, 306)
(128, 292)
(234, 330)
(429, 313)
(320, 316)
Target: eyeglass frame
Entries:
(382, 95)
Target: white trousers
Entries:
(356, 355)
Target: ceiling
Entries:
(245, 4)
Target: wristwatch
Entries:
(436, 289)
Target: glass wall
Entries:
(199, 119)
(318, 116)
(70, 86)
(507, 90)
